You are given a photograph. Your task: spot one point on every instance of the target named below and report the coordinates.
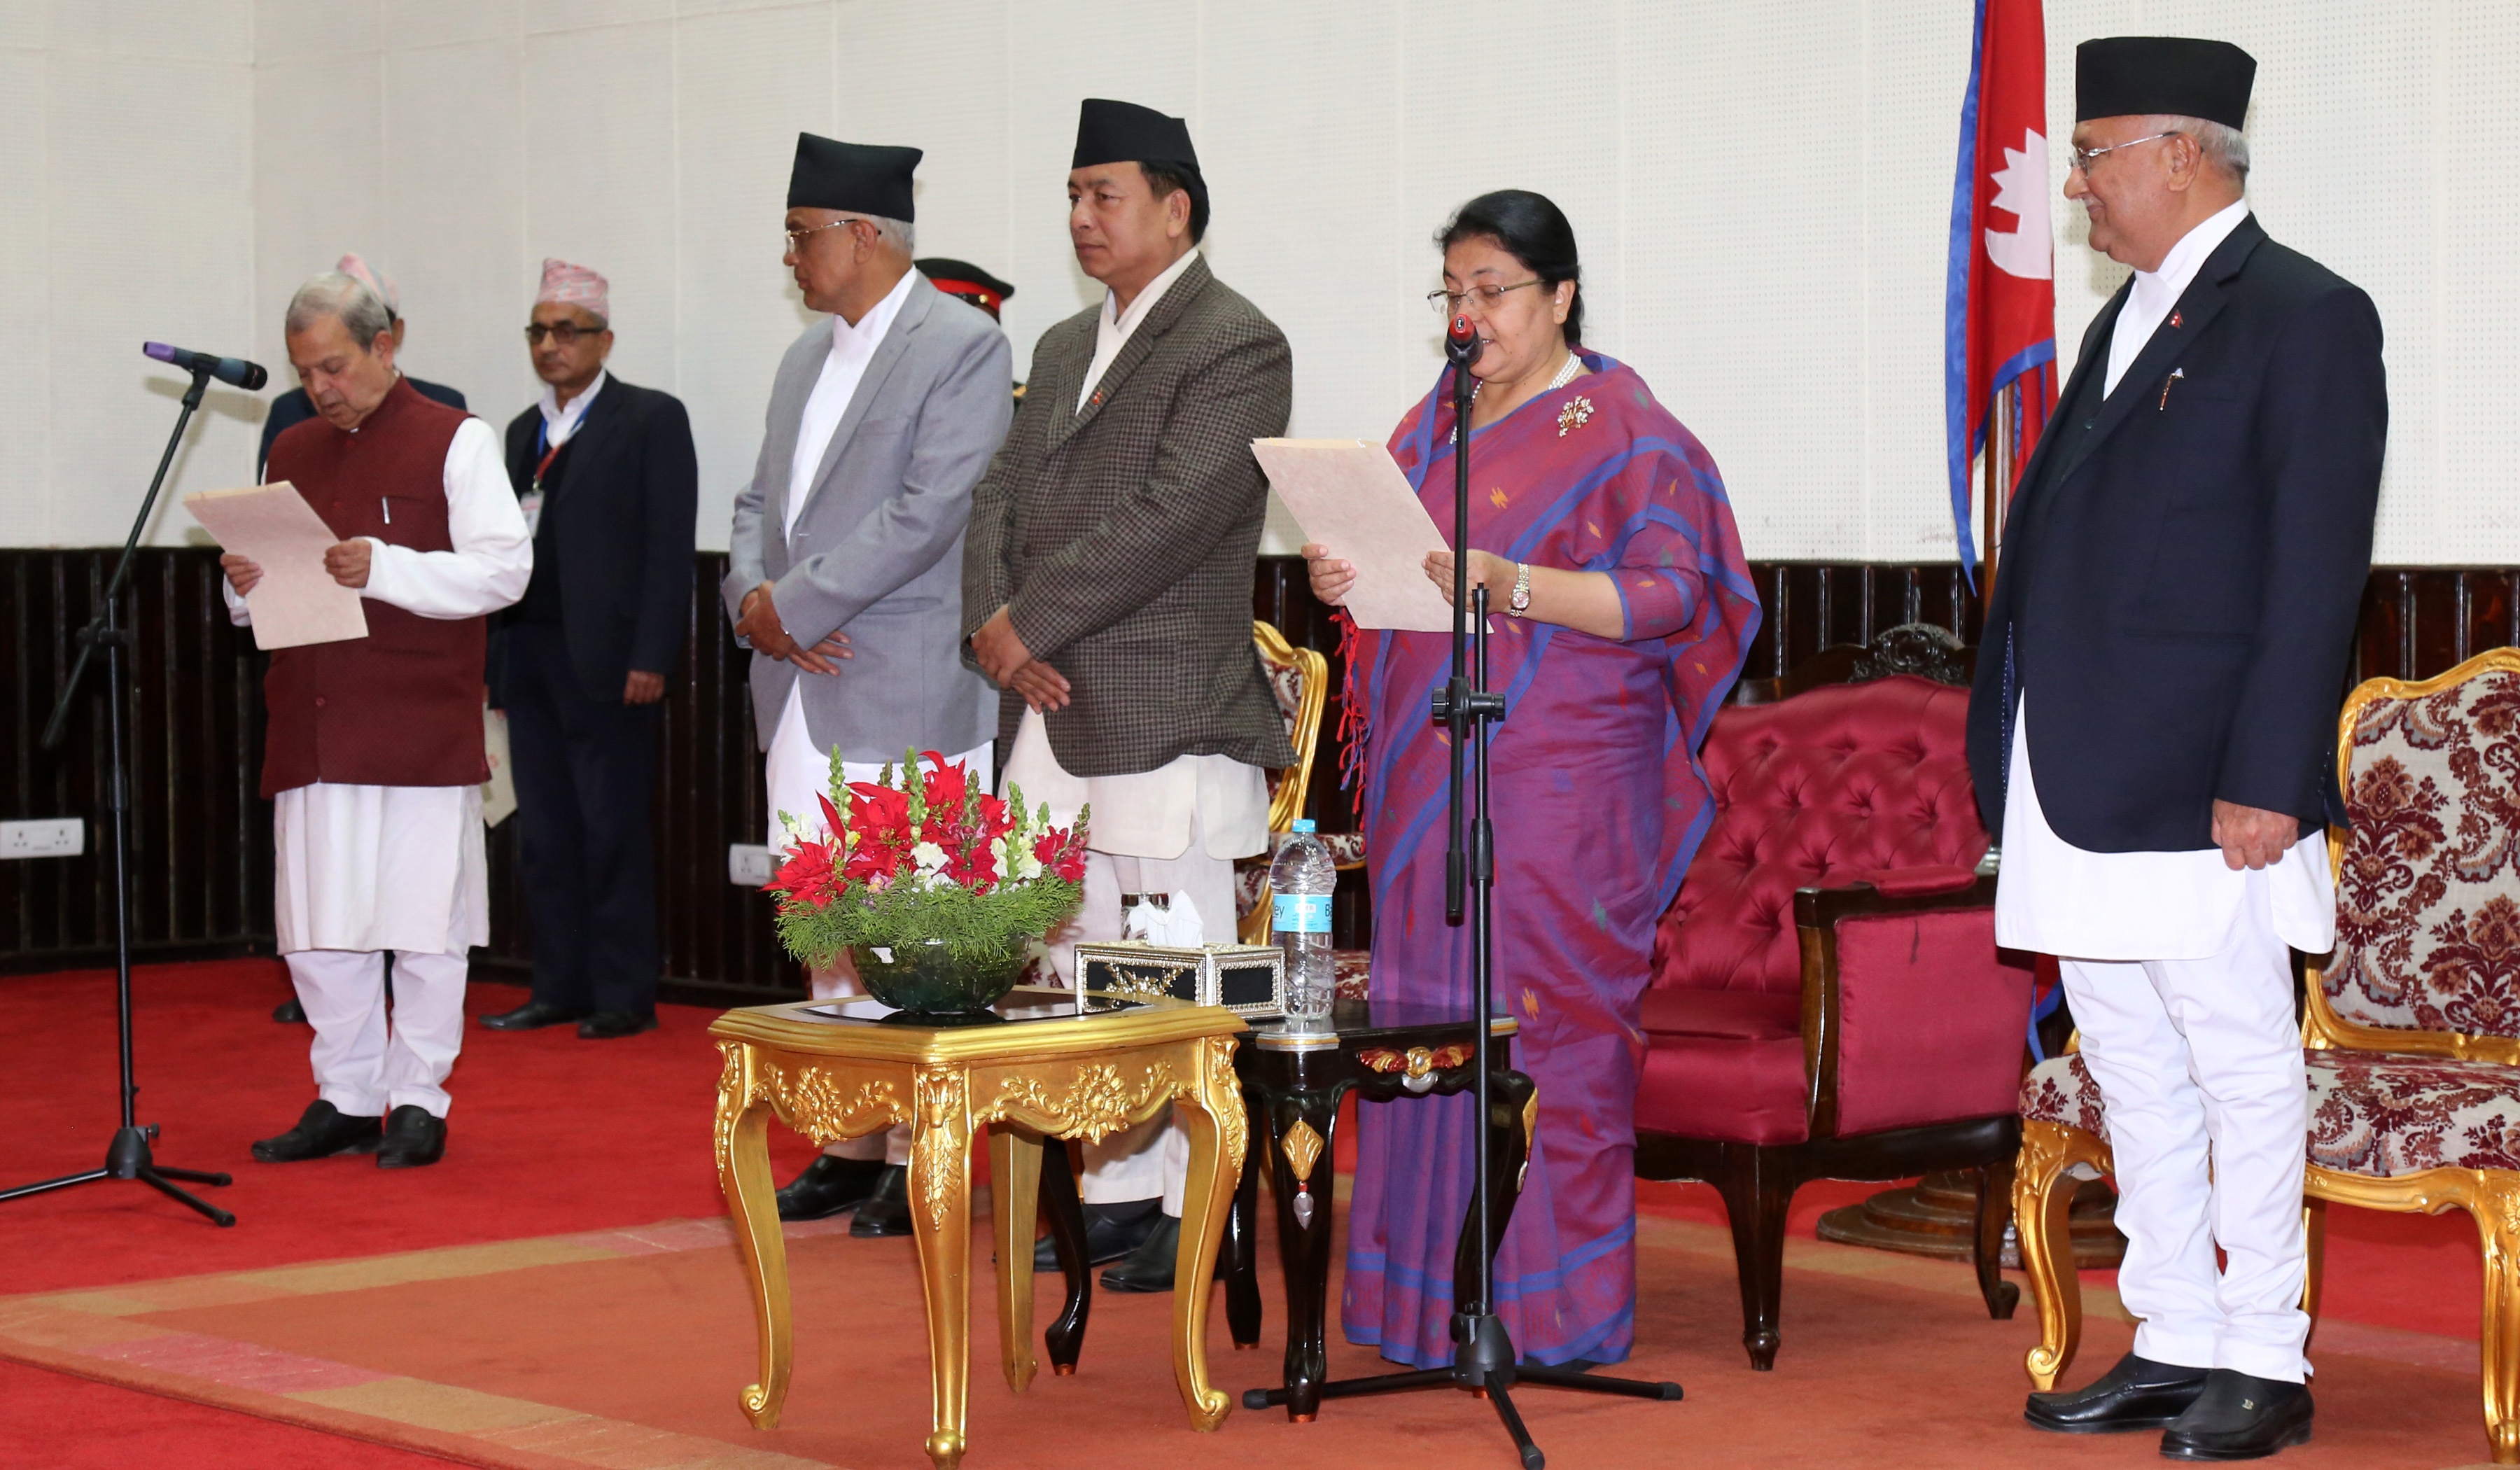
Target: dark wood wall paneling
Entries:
(202, 840)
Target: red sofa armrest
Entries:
(1909, 1014)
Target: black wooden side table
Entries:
(1292, 1084)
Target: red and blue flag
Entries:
(2000, 322)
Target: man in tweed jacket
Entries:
(1107, 581)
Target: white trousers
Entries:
(1150, 1160)
(795, 773)
(2199, 1062)
(367, 1064)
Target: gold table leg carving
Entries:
(940, 1179)
(1015, 1186)
(1211, 1112)
(2497, 1221)
(2043, 1195)
(744, 1177)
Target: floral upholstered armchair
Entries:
(2411, 1028)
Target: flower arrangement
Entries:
(926, 857)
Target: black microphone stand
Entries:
(127, 1157)
(1483, 1353)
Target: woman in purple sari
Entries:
(1604, 536)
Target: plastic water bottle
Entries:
(1300, 880)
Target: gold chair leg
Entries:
(940, 1215)
(2042, 1197)
(744, 1177)
(1014, 1184)
(2313, 1240)
(1213, 1115)
(2497, 1221)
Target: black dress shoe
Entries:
(2238, 1417)
(611, 1025)
(414, 1139)
(828, 1185)
(1148, 1267)
(1111, 1232)
(2137, 1394)
(288, 1012)
(886, 1209)
(322, 1132)
(533, 1015)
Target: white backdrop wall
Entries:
(1761, 190)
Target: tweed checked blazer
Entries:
(1121, 538)
(876, 552)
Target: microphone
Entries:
(230, 369)
(1462, 343)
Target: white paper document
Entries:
(1351, 498)
(296, 602)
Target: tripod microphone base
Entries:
(127, 1158)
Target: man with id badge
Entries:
(608, 482)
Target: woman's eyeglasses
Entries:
(1449, 303)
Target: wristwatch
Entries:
(1520, 602)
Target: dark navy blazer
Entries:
(2182, 566)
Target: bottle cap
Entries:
(1302, 825)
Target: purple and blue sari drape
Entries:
(1598, 801)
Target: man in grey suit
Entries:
(1107, 581)
(845, 560)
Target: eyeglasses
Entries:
(2083, 157)
(1449, 303)
(564, 334)
(796, 238)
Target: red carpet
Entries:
(551, 1136)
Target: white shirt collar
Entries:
(2178, 268)
(560, 424)
(868, 334)
(1126, 322)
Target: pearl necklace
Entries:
(1572, 370)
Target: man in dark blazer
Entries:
(1108, 582)
(609, 484)
(2173, 604)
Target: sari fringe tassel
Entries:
(1355, 726)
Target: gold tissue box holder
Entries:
(1246, 979)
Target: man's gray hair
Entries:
(899, 233)
(362, 311)
(2222, 145)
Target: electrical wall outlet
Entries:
(51, 837)
(748, 865)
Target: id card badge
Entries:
(531, 503)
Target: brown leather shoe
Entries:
(885, 1209)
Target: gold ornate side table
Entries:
(837, 1069)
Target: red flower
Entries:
(880, 822)
(995, 823)
(805, 880)
(1060, 853)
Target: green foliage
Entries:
(974, 926)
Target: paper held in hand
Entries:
(296, 602)
(1350, 497)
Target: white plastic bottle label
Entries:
(1300, 914)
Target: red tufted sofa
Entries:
(1827, 1001)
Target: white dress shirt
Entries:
(2057, 899)
(560, 424)
(852, 348)
(1114, 329)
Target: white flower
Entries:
(1026, 866)
(930, 857)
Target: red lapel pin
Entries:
(2173, 318)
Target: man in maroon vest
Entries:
(374, 761)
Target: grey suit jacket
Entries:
(1121, 538)
(877, 550)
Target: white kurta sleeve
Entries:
(493, 556)
(237, 611)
